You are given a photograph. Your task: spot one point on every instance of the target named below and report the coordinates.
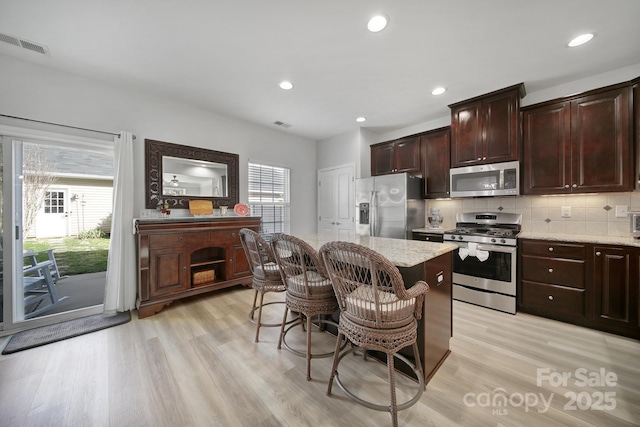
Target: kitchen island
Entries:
(416, 260)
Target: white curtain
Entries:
(120, 293)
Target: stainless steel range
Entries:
(484, 266)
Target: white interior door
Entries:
(336, 200)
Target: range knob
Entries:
(493, 240)
(459, 237)
(503, 241)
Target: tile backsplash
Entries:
(593, 214)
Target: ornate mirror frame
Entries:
(155, 150)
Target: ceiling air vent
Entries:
(279, 123)
(24, 44)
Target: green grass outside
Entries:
(73, 255)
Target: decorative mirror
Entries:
(176, 174)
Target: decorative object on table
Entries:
(241, 209)
(165, 211)
(200, 207)
(223, 210)
(435, 219)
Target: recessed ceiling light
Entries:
(361, 119)
(580, 40)
(286, 85)
(438, 91)
(377, 23)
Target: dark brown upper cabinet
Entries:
(580, 144)
(485, 129)
(436, 157)
(401, 155)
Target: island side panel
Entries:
(435, 327)
(437, 315)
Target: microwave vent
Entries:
(25, 44)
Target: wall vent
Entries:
(279, 123)
(35, 47)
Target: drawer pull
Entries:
(551, 249)
(551, 270)
(550, 297)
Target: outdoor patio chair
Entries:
(39, 288)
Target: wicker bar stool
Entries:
(376, 313)
(266, 274)
(309, 292)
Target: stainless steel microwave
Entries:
(496, 179)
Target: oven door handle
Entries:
(490, 248)
(494, 248)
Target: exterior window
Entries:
(269, 197)
(54, 202)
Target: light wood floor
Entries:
(195, 364)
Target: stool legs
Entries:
(259, 315)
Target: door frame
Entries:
(12, 253)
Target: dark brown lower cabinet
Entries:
(615, 289)
(585, 284)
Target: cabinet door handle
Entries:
(551, 270)
(184, 268)
(550, 249)
(575, 185)
(566, 186)
(231, 261)
(479, 158)
(550, 297)
(598, 253)
(181, 238)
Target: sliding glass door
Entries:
(56, 222)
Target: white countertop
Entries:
(584, 238)
(402, 253)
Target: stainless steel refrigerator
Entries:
(389, 206)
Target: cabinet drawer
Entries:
(168, 240)
(200, 238)
(554, 249)
(566, 272)
(552, 298)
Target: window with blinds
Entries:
(269, 197)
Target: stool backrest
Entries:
(300, 266)
(369, 288)
(257, 250)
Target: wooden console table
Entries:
(182, 257)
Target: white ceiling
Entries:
(228, 56)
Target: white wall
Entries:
(42, 93)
